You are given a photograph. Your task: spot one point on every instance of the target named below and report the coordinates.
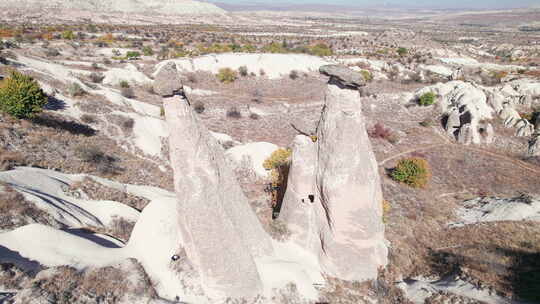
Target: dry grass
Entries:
(97, 191)
(17, 211)
(71, 147)
(66, 285)
(119, 229)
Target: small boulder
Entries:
(343, 76)
(167, 81)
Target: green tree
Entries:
(21, 96)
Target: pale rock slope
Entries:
(273, 65)
(498, 209)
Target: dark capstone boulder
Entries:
(167, 81)
(342, 76)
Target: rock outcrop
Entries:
(221, 234)
(343, 76)
(465, 106)
(333, 203)
(167, 81)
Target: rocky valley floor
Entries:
(88, 191)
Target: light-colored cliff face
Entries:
(173, 7)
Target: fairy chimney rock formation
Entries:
(343, 225)
(221, 233)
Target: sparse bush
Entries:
(8, 160)
(127, 92)
(380, 131)
(49, 52)
(21, 96)
(127, 125)
(199, 107)
(427, 99)
(278, 163)
(96, 77)
(414, 172)
(68, 35)
(89, 119)
(147, 51)
(257, 96)
(133, 55)
(321, 50)
(402, 51)
(226, 75)
(191, 77)
(279, 230)
(95, 66)
(254, 116)
(243, 71)
(293, 75)
(367, 75)
(104, 164)
(426, 123)
(277, 159)
(123, 84)
(233, 112)
(386, 207)
(75, 90)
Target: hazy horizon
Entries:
(419, 4)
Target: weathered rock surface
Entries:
(494, 209)
(333, 203)
(524, 128)
(221, 234)
(349, 190)
(343, 76)
(167, 81)
(534, 145)
(300, 210)
(465, 105)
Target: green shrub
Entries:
(199, 107)
(21, 96)
(147, 51)
(402, 51)
(321, 50)
(133, 55)
(124, 84)
(277, 159)
(293, 75)
(75, 90)
(414, 172)
(367, 75)
(243, 71)
(68, 35)
(226, 75)
(427, 99)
